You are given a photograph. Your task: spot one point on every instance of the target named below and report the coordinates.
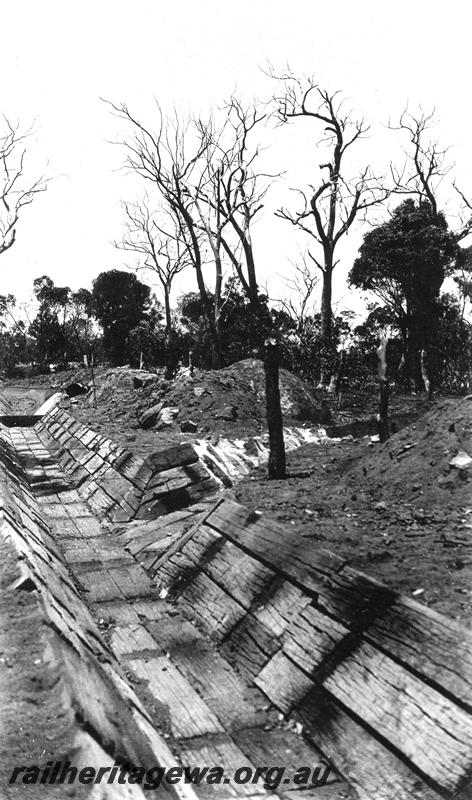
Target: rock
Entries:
(166, 417)
(188, 426)
(140, 381)
(229, 413)
(76, 389)
(381, 506)
(461, 461)
(149, 418)
(445, 481)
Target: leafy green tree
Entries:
(242, 325)
(302, 345)
(63, 326)
(404, 263)
(451, 351)
(48, 327)
(120, 302)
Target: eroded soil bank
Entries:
(399, 511)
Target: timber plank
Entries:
(283, 682)
(281, 607)
(186, 558)
(343, 592)
(284, 748)
(190, 716)
(123, 612)
(126, 639)
(133, 581)
(332, 791)
(88, 526)
(268, 542)
(312, 638)
(433, 645)
(99, 586)
(163, 756)
(262, 631)
(374, 772)
(235, 704)
(215, 611)
(250, 646)
(242, 576)
(221, 751)
(116, 583)
(174, 456)
(428, 728)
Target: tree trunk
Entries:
(169, 339)
(404, 367)
(276, 465)
(326, 326)
(197, 263)
(218, 357)
(383, 391)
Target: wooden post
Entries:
(276, 466)
(383, 391)
(92, 364)
(190, 362)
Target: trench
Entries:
(186, 630)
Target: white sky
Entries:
(58, 58)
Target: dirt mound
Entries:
(426, 463)
(143, 410)
(401, 511)
(230, 401)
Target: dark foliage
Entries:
(120, 302)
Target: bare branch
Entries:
(425, 163)
(16, 191)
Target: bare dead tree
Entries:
(329, 209)
(465, 215)
(170, 157)
(237, 188)
(162, 253)
(425, 167)
(207, 197)
(425, 164)
(16, 190)
(302, 286)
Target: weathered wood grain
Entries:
(128, 639)
(236, 704)
(434, 646)
(287, 750)
(428, 728)
(373, 770)
(221, 751)
(215, 611)
(283, 682)
(189, 714)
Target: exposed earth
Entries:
(401, 512)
